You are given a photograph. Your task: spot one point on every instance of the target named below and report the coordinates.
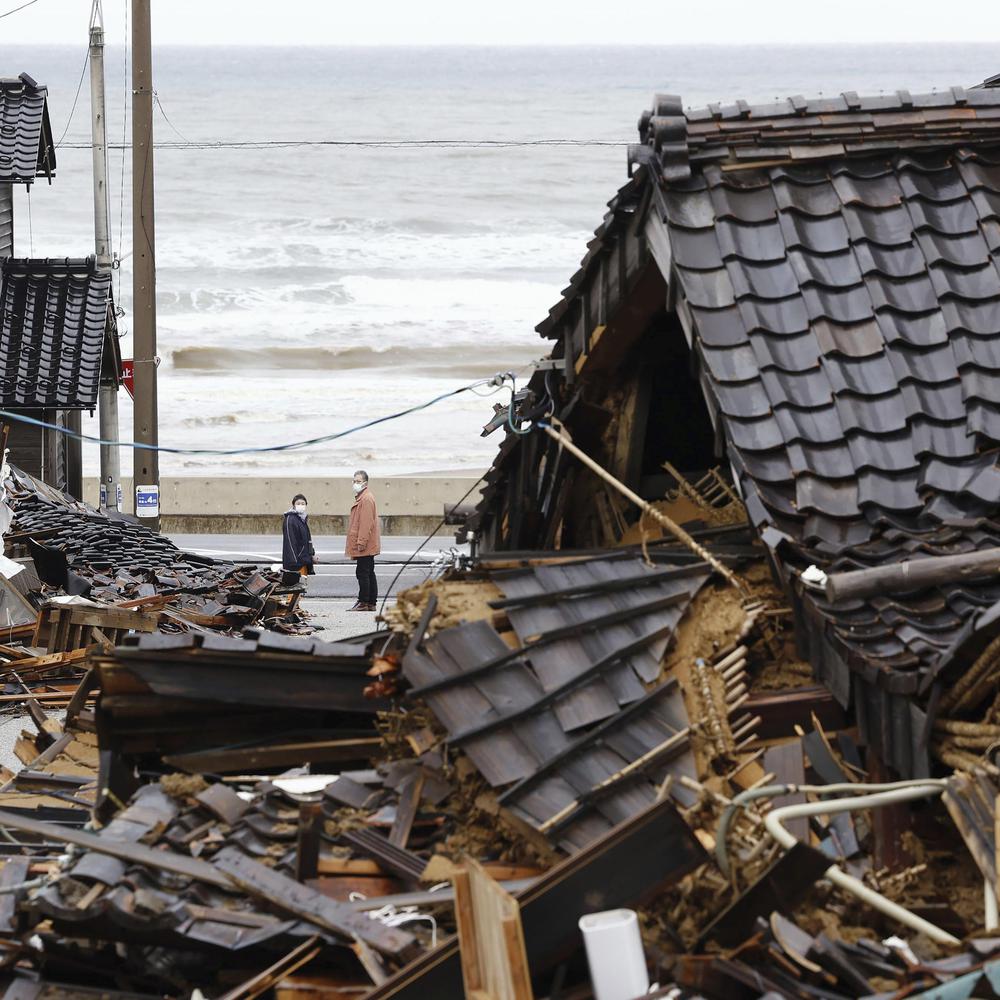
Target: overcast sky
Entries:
(517, 22)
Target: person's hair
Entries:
(297, 497)
(361, 472)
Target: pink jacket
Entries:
(363, 538)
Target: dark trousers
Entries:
(367, 583)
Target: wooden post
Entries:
(146, 472)
(911, 574)
(307, 846)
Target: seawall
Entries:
(408, 505)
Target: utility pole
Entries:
(108, 392)
(146, 476)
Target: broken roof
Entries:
(53, 321)
(833, 264)
(26, 146)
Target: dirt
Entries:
(458, 601)
(786, 671)
(183, 786)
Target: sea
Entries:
(304, 290)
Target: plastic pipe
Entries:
(614, 954)
(773, 823)
(770, 791)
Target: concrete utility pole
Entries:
(147, 464)
(108, 393)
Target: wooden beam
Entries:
(911, 574)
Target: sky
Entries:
(514, 22)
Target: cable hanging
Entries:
(16, 9)
(496, 380)
(253, 144)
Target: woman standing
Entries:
(297, 551)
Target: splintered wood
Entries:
(490, 936)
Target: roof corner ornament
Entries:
(664, 129)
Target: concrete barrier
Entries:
(408, 505)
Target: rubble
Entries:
(673, 675)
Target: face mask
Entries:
(358, 487)
(300, 508)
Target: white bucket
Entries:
(614, 954)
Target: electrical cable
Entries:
(437, 528)
(16, 9)
(79, 87)
(290, 446)
(156, 99)
(254, 144)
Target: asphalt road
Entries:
(334, 571)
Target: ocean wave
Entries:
(458, 361)
(261, 250)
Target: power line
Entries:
(497, 379)
(79, 87)
(156, 101)
(254, 144)
(16, 9)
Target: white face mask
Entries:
(358, 487)
(300, 508)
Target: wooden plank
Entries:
(785, 763)
(290, 896)
(491, 940)
(278, 755)
(406, 808)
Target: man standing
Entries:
(364, 542)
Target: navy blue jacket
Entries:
(296, 543)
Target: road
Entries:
(334, 571)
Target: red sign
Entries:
(128, 372)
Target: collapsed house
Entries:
(807, 293)
(780, 352)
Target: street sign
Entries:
(147, 501)
(128, 376)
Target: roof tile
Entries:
(833, 270)
(889, 453)
(874, 414)
(53, 316)
(826, 235)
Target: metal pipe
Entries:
(772, 822)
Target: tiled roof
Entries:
(678, 141)
(53, 315)
(835, 264)
(836, 270)
(26, 146)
